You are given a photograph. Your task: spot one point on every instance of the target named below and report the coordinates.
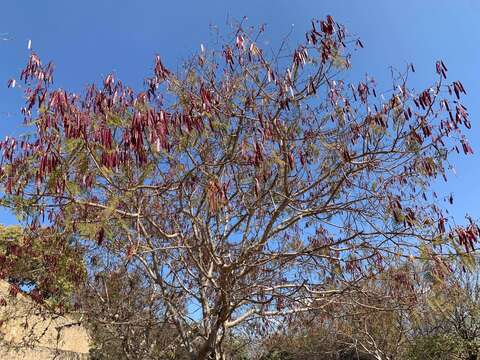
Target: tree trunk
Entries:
(208, 348)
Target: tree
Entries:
(371, 324)
(123, 320)
(47, 268)
(246, 189)
(447, 318)
(438, 320)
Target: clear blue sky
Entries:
(88, 39)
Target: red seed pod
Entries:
(13, 290)
(100, 237)
(240, 42)
(160, 71)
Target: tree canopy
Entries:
(249, 189)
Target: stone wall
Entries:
(27, 331)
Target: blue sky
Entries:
(88, 39)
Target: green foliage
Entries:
(438, 347)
